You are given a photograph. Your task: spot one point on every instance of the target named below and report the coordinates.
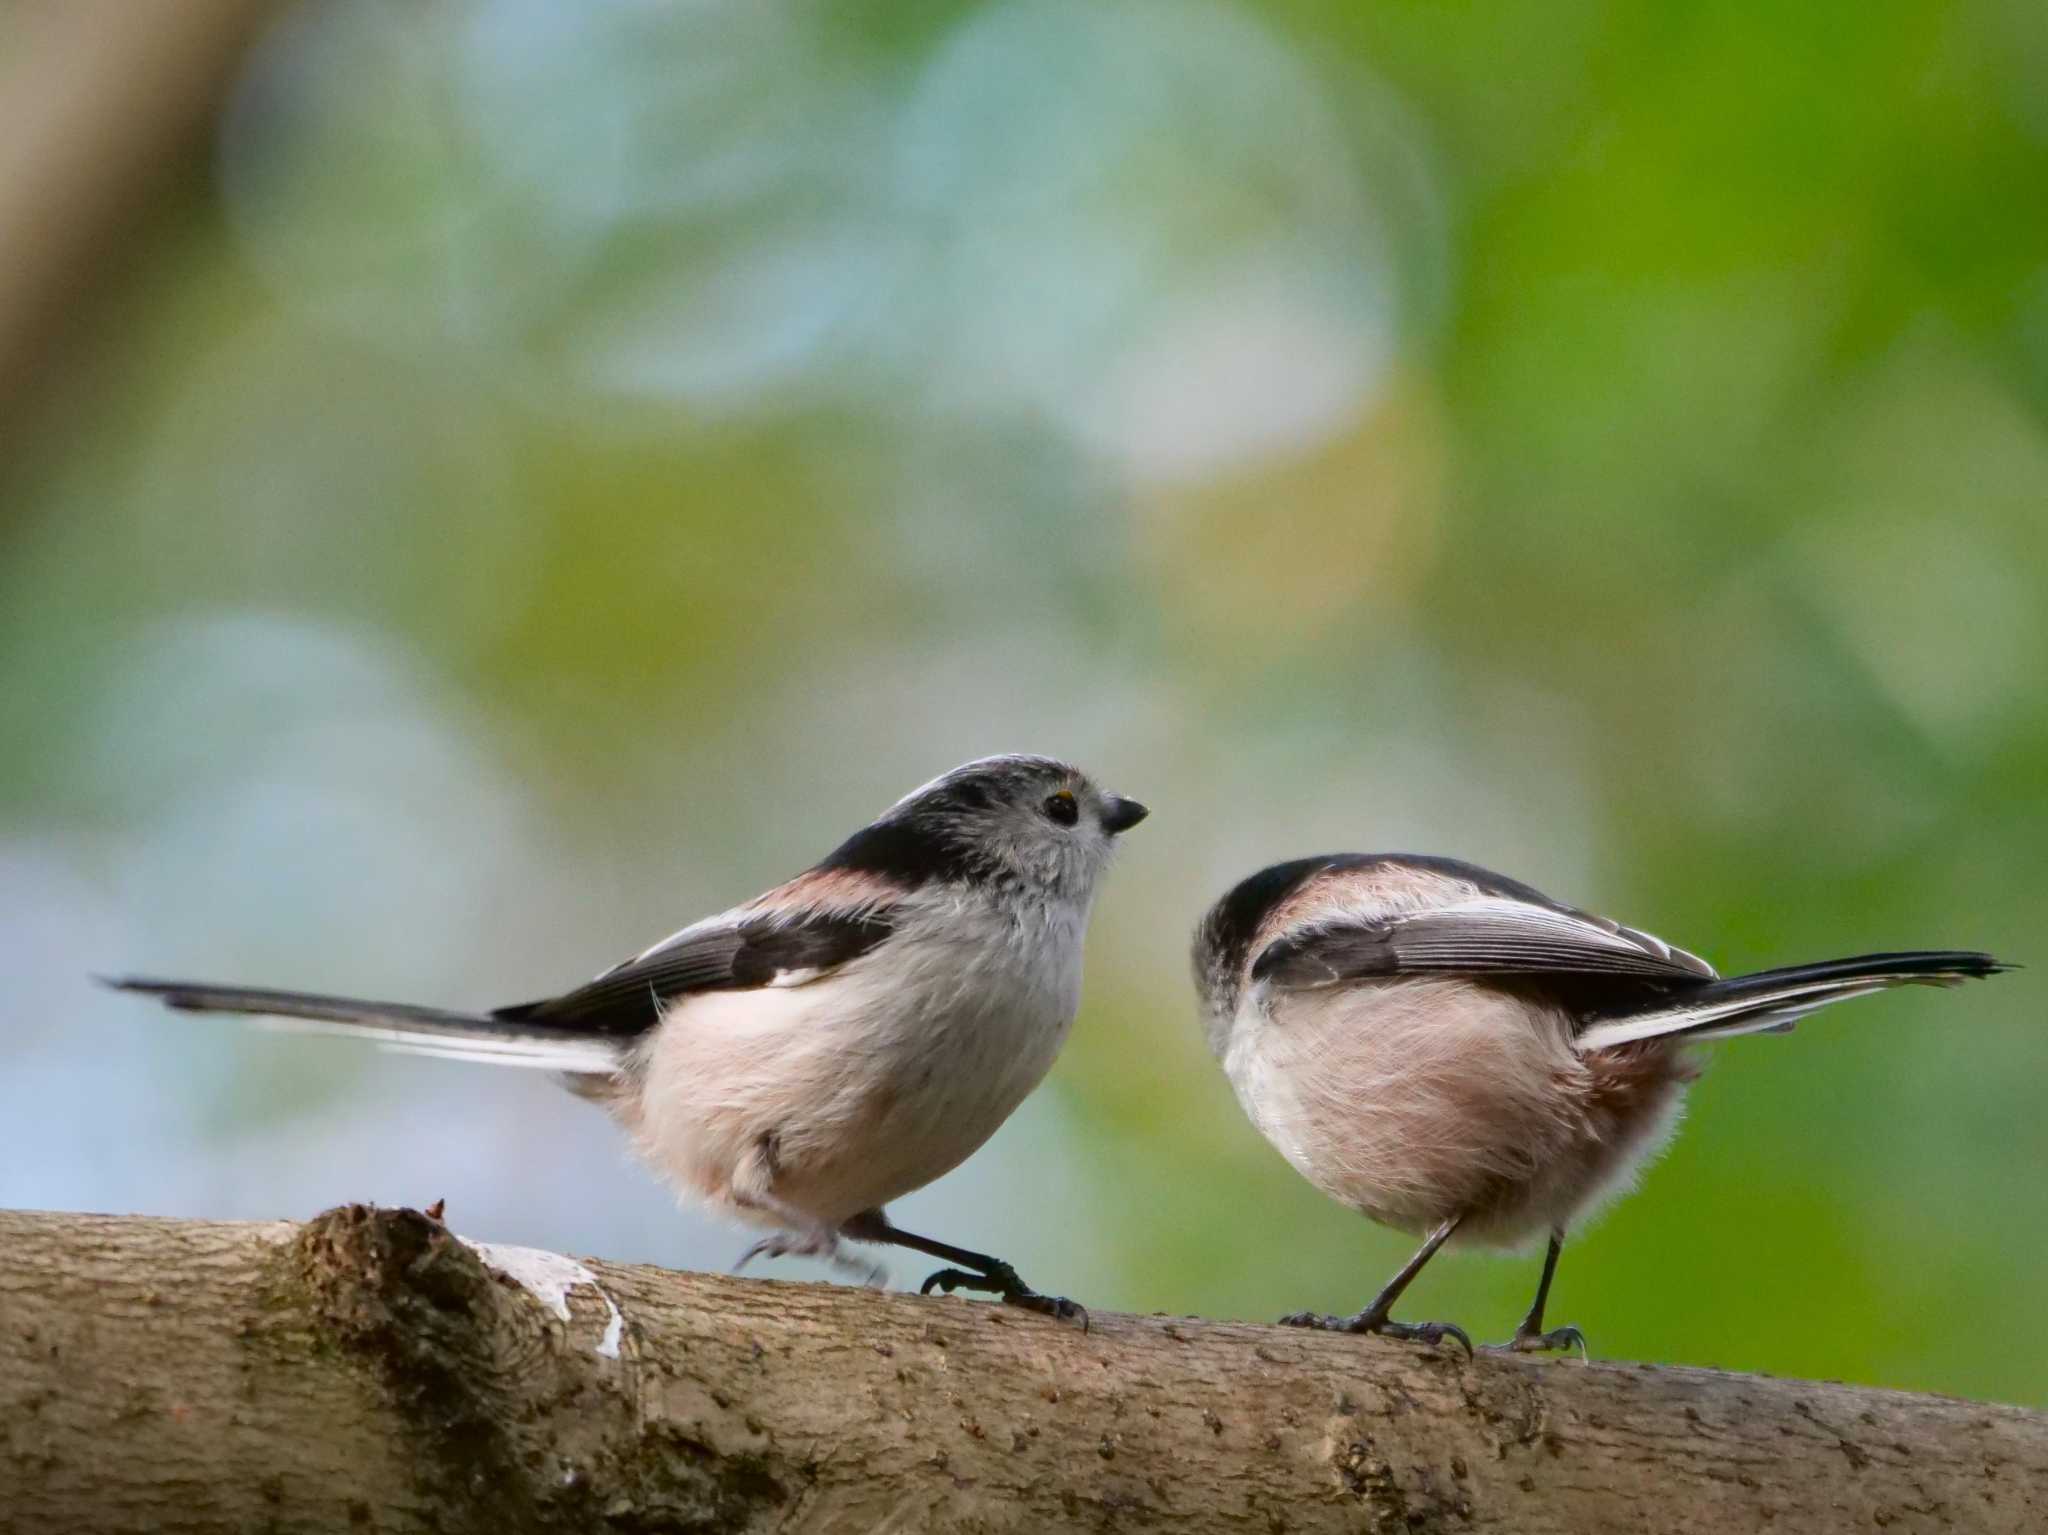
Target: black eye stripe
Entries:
(1062, 808)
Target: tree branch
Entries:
(369, 1371)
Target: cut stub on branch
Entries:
(371, 1370)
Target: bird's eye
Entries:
(1062, 808)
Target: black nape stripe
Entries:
(1233, 923)
(932, 838)
(961, 794)
(905, 853)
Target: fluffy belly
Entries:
(1419, 1101)
(825, 1102)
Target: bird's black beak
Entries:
(1120, 814)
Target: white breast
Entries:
(1409, 1101)
(861, 1086)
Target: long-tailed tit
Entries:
(847, 1037)
(1455, 1054)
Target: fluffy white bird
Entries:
(1452, 1053)
(834, 1043)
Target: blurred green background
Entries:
(487, 483)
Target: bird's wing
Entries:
(781, 940)
(1483, 936)
(797, 933)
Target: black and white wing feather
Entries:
(735, 952)
(1487, 935)
(788, 937)
(1621, 984)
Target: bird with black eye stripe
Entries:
(1456, 1055)
(833, 1044)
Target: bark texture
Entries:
(369, 1371)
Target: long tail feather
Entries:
(1774, 1000)
(393, 1025)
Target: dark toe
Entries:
(767, 1247)
(1313, 1319)
(1431, 1333)
(1003, 1279)
(1055, 1306)
(1558, 1340)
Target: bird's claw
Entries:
(767, 1247)
(873, 1276)
(1058, 1307)
(1431, 1333)
(790, 1245)
(1557, 1340)
(1314, 1319)
(1003, 1281)
(950, 1280)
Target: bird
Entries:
(844, 1038)
(1458, 1056)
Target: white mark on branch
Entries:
(548, 1278)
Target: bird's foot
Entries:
(816, 1244)
(1003, 1280)
(1558, 1340)
(1431, 1333)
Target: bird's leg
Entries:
(802, 1236)
(815, 1242)
(969, 1271)
(1374, 1318)
(1530, 1338)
